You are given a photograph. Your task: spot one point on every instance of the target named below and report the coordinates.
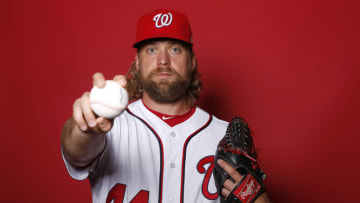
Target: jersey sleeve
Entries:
(82, 173)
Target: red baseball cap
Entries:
(163, 23)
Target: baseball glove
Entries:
(237, 149)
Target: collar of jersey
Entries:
(172, 120)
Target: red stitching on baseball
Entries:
(108, 106)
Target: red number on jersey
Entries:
(116, 195)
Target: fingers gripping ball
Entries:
(109, 101)
(237, 148)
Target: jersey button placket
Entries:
(172, 134)
(172, 170)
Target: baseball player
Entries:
(161, 148)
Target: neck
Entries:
(178, 108)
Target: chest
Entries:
(169, 163)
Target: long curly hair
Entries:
(135, 89)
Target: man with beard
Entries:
(161, 149)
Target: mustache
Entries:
(162, 69)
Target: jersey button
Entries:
(172, 165)
(173, 134)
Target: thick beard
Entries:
(165, 91)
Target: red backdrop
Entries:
(291, 68)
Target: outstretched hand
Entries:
(84, 117)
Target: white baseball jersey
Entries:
(146, 160)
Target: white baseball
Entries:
(109, 101)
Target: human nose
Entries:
(163, 58)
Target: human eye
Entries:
(150, 50)
(175, 50)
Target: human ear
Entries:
(137, 62)
(193, 61)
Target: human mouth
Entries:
(163, 74)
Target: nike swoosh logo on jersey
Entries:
(166, 118)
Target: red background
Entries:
(291, 68)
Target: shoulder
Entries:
(129, 114)
(135, 109)
(220, 122)
(216, 122)
(133, 106)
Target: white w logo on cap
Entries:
(162, 19)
